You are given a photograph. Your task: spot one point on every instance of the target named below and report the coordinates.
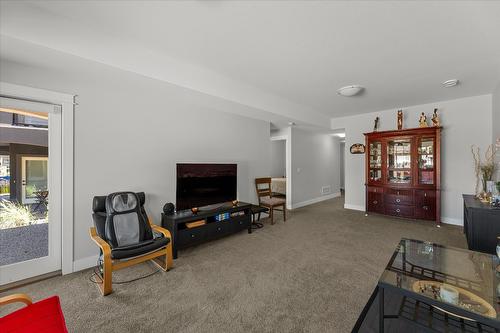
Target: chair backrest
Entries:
(120, 218)
(263, 187)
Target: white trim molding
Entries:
(315, 200)
(279, 137)
(452, 221)
(354, 207)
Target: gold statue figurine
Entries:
(422, 121)
(435, 118)
(400, 119)
(375, 126)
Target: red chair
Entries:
(43, 316)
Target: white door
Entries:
(30, 232)
(34, 180)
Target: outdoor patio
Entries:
(23, 243)
(23, 231)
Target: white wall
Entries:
(465, 121)
(496, 123)
(131, 130)
(278, 158)
(315, 163)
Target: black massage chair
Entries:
(125, 235)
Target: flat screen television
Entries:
(201, 185)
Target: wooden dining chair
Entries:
(266, 199)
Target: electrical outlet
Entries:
(326, 189)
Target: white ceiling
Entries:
(283, 57)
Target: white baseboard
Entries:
(315, 200)
(84, 263)
(354, 207)
(451, 220)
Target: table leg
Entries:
(381, 309)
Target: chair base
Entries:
(273, 208)
(161, 261)
(162, 257)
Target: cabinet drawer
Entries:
(375, 189)
(423, 197)
(399, 192)
(240, 223)
(375, 198)
(397, 210)
(189, 236)
(375, 203)
(426, 212)
(399, 199)
(216, 229)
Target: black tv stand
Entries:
(182, 236)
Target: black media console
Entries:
(238, 218)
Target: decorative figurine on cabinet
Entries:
(422, 121)
(375, 126)
(435, 118)
(400, 119)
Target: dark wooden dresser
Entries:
(481, 224)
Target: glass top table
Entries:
(460, 283)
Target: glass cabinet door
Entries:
(375, 150)
(399, 161)
(426, 161)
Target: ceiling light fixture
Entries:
(349, 91)
(450, 83)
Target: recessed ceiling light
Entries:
(450, 83)
(349, 91)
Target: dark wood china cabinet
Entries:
(403, 173)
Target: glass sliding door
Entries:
(30, 232)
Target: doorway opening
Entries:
(281, 183)
(342, 167)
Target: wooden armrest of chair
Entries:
(106, 249)
(159, 229)
(164, 231)
(23, 298)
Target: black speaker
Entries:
(169, 208)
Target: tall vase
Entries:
(490, 186)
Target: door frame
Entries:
(288, 166)
(65, 103)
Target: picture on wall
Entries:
(357, 148)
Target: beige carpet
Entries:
(312, 274)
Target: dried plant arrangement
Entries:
(484, 170)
